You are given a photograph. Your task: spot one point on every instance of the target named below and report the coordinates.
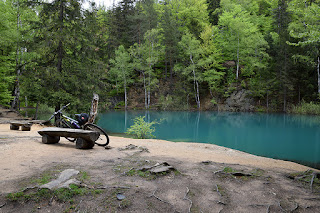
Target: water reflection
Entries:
(281, 136)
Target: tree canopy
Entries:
(147, 53)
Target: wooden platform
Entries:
(84, 138)
(25, 125)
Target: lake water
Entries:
(281, 136)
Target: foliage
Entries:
(58, 52)
(306, 109)
(8, 38)
(142, 129)
(121, 70)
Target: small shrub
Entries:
(142, 129)
(166, 102)
(306, 109)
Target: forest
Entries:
(160, 54)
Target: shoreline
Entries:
(184, 151)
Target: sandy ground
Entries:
(22, 153)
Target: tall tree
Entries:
(145, 56)
(240, 38)
(24, 16)
(122, 70)
(211, 60)
(8, 37)
(62, 43)
(305, 28)
(191, 53)
(282, 51)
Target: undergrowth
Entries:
(306, 109)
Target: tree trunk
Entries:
(16, 91)
(318, 71)
(125, 94)
(284, 99)
(37, 109)
(195, 84)
(149, 91)
(60, 45)
(267, 101)
(145, 91)
(238, 60)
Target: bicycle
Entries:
(64, 121)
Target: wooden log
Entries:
(50, 139)
(84, 144)
(14, 127)
(25, 126)
(70, 133)
(94, 108)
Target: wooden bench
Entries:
(84, 138)
(25, 126)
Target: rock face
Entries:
(239, 101)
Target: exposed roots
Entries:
(186, 198)
(153, 195)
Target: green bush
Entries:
(166, 102)
(142, 129)
(306, 109)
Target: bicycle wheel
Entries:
(103, 139)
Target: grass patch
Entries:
(144, 174)
(258, 172)
(306, 109)
(61, 194)
(83, 176)
(46, 177)
(111, 202)
(229, 170)
(306, 178)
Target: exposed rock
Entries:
(63, 181)
(158, 168)
(239, 101)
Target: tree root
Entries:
(153, 195)
(268, 209)
(186, 198)
(279, 204)
(113, 187)
(311, 182)
(218, 190)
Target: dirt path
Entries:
(202, 181)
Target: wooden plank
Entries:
(71, 133)
(21, 123)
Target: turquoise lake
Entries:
(280, 136)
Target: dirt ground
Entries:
(205, 178)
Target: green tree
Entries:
(65, 41)
(240, 38)
(121, 70)
(190, 67)
(145, 56)
(305, 29)
(211, 60)
(8, 39)
(169, 26)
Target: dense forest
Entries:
(160, 54)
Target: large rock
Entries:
(239, 101)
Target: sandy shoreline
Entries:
(21, 152)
